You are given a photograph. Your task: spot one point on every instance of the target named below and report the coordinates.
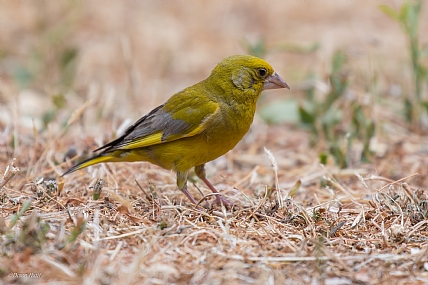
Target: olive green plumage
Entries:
(198, 124)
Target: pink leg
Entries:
(182, 185)
(200, 172)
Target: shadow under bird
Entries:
(197, 124)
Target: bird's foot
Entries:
(221, 200)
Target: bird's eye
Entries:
(262, 72)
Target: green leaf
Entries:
(370, 130)
(338, 155)
(48, 116)
(412, 19)
(390, 12)
(307, 113)
(423, 71)
(332, 117)
(323, 158)
(162, 224)
(25, 206)
(59, 101)
(67, 64)
(68, 56)
(366, 155)
(339, 59)
(295, 188)
(282, 111)
(310, 92)
(408, 110)
(425, 105)
(22, 76)
(403, 12)
(76, 230)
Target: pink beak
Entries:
(275, 82)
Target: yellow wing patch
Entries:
(155, 138)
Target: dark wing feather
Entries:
(164, 123)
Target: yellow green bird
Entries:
(197, 124)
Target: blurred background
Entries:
(352, 129)
(352, 66)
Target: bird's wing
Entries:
(180, 117)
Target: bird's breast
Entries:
(230, 125)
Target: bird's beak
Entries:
(274, 82)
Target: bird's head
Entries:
(247, 73)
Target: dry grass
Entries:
(296, 222)
(361, 228)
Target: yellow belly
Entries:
(183, 154)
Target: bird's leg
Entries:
(200, 172)
(182, 185)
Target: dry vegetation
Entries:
(75, 73)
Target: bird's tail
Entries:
(91, 161)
